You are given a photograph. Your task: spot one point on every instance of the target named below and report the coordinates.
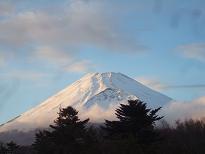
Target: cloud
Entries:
(97, 113)
(78, 24)
(63, 60)
(185, 86)
(38, 35)
(152, 83)
(33, 27)
(6, 8)
(175, 110)
(193, 51)
(184, 110)
(159, 86)
(52, 55)
(79, 67)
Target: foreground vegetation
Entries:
(133, 132)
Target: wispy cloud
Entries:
(184, 110)
(152, 83)
(80, 66)
(52, 55)
(193, 51)
(63, 60)
(79, 23)
(56, 39)
(6, 8)
(160, 86)
(185, 86)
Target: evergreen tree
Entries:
(12, 147)
(43, 143)
(134, 120)
(3, 148)
(68, 128)
(67, 136)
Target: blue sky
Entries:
(46, 45)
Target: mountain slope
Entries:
(95, 90)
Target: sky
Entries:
(46, 45)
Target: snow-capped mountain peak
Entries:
(94, 90)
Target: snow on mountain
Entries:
(96, 95)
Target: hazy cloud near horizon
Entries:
(173, 111)
(179, 110)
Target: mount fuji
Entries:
(96, 95)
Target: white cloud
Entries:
(193, 51)
(173, 111)
(97, 113)
(79, 23)
(152, 83)
(61, 59)
(26, 28)
(6, 8)
(184, 110)
(52, 55)
(79, 67)
(57, 38)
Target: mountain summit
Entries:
(94, 90)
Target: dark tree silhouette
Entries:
(12, 147)
(67, 136)
(43, 142)
(3, 148)
(68, 119)
(135, 120)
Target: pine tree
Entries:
(67, 136)
(3, 148)
(134, 119)
(68, 128)
(43, 142)
(12, 147)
